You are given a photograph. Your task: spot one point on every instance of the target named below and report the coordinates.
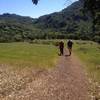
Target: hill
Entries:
(71, 22)
(14, 27)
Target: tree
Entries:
(93, 7)
(90, 5)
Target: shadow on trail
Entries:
(67, 55)
(64, 55)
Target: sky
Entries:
(26, 7)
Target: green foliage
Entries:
(93, 7)
(47, 42)
(69, 23)
(96, 39)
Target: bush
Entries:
(97, 39)
(46, 42)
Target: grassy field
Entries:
(43, 54)
(89, 53)
(28, 55)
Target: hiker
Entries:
(69, 46)
(61, 47)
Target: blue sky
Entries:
(26, 8)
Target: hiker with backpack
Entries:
(69, 46)
(61, 47)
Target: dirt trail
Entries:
(65, 82)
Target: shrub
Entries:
(96, 39)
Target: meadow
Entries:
(28, 55)
(44, 54)
(89, 54)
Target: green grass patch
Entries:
(89, 53)
(28, 55)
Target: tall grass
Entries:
(28, 55)
(89, 53)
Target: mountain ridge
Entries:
(71, 22)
